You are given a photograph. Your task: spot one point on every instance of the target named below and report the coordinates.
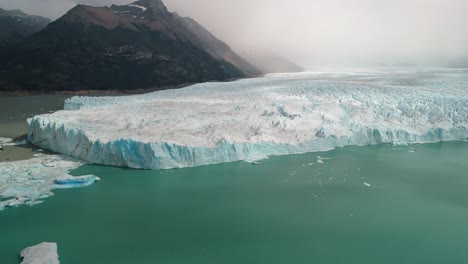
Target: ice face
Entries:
(254, 118)
(30, 181)
(44, 253)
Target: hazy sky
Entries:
(319, 32)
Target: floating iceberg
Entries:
(68, 181)
(44, 253)
(254, 118)
(30, 181)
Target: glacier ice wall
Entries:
(30, 181)
(254, 118)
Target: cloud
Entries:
(320, 31)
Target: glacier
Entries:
(252, 119)
(30, 181)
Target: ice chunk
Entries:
(16, 143)
(30, 181)
(44, 253)
(73, 182)
(254, 118)
(5, 140)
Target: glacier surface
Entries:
(252, 119)
(30, 181)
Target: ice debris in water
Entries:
(9, 142)
(30, 181)
(252, 119)
(5, 140)
(44, 253)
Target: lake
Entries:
(371, 204)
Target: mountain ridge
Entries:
(15, 26)
(134, 46)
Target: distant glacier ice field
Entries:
(252, 119)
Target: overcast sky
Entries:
(323, 32)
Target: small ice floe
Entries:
(321, 159)
(11, 203)
(68, 181)
(4, 141)
(30, 181)
(367, 184)
(44, 253)
(21, 142)
(16, 143)
(253, 161)
(411, 151)
(292, 173)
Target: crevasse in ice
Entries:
(253, 118)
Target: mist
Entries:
(320, 32)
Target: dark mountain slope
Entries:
(218, 48)
(141, 45)
(271, 63)
(16, 25)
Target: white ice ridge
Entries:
(44, 253)
(251, 119)
(30, 181)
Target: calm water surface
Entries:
(288, 209)
(14, 110)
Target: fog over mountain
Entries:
(320, 32)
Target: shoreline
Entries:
(94, 92)
(116, 92)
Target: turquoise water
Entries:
(281, 211)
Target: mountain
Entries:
(218, 48)
(272, 63)
(15, 25)
(139, 45)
